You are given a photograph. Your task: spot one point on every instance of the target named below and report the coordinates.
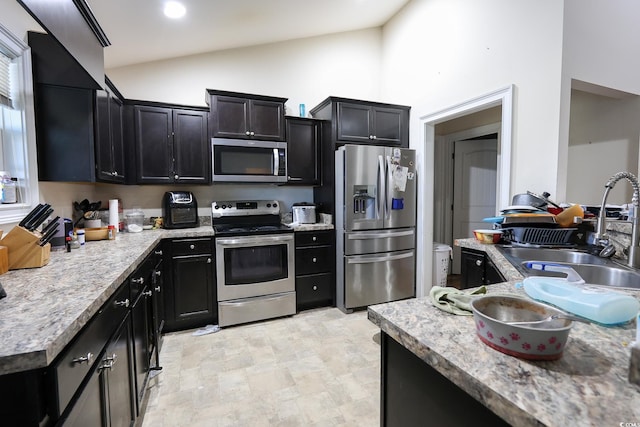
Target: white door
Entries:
(474, 189)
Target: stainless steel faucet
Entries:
(601, 230)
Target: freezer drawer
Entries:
(375, 241)
(378, 278)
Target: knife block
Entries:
(24, 251)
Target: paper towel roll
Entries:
(113, 213)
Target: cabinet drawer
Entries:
(314, 238)
(313, 289)
(317, 259)
(191, 246)
(76, 361)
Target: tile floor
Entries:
(318, 368)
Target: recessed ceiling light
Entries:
(174, 9)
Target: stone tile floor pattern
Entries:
(318, 368)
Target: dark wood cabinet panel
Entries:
(370, 124)
(190, 147)
(109, 136)
(246, 116)
(153, 127)
(477, 269)
(190, 293)
(64, 133)
(315, 268)
(303, 151)
(117, 366)
(171, 145)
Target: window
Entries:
(17, 128)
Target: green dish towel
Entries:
(454, 300)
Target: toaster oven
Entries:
(180, 209)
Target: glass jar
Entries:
(134, 220)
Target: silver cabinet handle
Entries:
(138, 281)
(247, 133)
(370, 136)
(158, 253)
(315, 288)
(158, 289)
(208, 260)
(83, 359)
(147, 293)
(124, 303)
(478, 263)
(294, 179)
(314, 260)
(253, 133)
(374, 137)
(114, 173)
(314, 238)
(192, 247)
(109, 361)
(158, 273)
(176, 176)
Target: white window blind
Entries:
(5, 80)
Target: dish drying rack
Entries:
(538, 236)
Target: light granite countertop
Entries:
(587, 386)
(46, 307)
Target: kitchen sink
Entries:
(592, 268)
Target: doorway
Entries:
(431, 203)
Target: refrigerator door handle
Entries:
(372, 259)
(382, 184)
(388, 196)
(366, 236)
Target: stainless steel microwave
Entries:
(244, 160)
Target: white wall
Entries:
(439, 53)
(603, 140)
(601, 46)
(305, 71)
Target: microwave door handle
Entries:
(276, 161)
(381, 188)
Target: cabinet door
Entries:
(472, 268)
(141, 325)
(303, 151)
(388, 125)
(109, 137)
(117, 371)
(190, 146)
(354, 123)
(267, 120)
(192, 299)
(229, 117)
(89, 409)
(153, 128)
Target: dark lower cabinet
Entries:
(315, 268)
(190, 297)
(116, 369)
(477, 269)
(415, 394)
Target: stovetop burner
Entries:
(246, 217)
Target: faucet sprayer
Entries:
(601, 230)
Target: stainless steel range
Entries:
(254, 261)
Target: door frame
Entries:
(423, 140)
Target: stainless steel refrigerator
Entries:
(375, 225)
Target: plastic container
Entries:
(596, 304)
(134, 220)
(442, 254)
(9, 188)
(81, 236)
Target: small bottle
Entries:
(112, 232)
(9, 191)
(81, 239)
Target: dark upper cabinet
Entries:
(109, 135)
(372, 124)
(246, 116)
(171, 145)
(303, 151)
(64, 133)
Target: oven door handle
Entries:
(249, 241)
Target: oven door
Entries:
(239, 160)
(250, 266)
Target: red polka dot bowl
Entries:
(535, 341)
